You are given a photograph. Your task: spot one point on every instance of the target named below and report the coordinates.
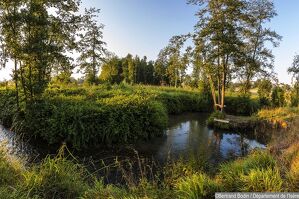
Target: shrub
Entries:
(182, 102)
(241, 105)
(81, 123)
(277, 97)
(215, 115)
(7, 107)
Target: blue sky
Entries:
(143, 27)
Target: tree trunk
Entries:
(16, 84)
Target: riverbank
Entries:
(274, 118)
(104, 115)
(59, 177)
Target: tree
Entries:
(112, 70)
(10, 37)
(277, 97)
(256, 58)
(217, 41)
(37, 40)
(160, 68)
(63, 38)
(294, 70)
(91, 46)
(264, 91)
(175, 61)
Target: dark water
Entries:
(186, 137)
(189, 137)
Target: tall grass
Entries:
(197, 186)
(59, 177)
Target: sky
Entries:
(144, 27)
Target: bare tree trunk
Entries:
(213, 91)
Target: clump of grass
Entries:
(257, 168)
(279, 114)
(197, 186)
(10, 168)
(215, 115)
(294, 172)
(99, 191)
(262, 180)
(229, 175)
(55, 178)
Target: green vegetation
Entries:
(61, 178)
(231, 43)
(89, 116)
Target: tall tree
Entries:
(160, 68)
(257, 58)
(217, 40)
(294, 70)
(10, 21)
(63, 34)
(175, 60)
(91, 46)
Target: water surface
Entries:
(187, 137)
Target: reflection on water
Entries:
(188, 136)
(15, 144)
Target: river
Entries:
(187, 137)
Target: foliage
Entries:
(117, 119)
(215, 115)
(264, 91)
(132, 70)
(277, 97)
(279, 114)
(95, 115)
(241, 105)
(91, 46)
(7, 106)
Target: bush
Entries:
(94, 115)
(215, 115)
(82, 123)
(181, 102)
(277, 97)
(7, 106)
(241, 105)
